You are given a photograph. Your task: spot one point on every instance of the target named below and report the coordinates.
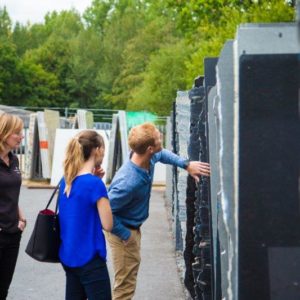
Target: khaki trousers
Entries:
(126, 262)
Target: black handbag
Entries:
(44, 241)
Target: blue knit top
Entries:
(80, 225)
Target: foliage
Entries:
(97, 15)
(85, 61)
(120, 28)
(147, 42)
(212, 36)
(41, 88)
(121, 54)
(28, 37)
(9, 72)
(5, 23)
(165, 74)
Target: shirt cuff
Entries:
(123, 235)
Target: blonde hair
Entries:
(79, 151)
(9, 124)
(141, 137)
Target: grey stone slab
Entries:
(210, 72)
(276, 38)
(113, 146)
(182, 130)
(123, 133)
(227, 216)
(197, 98)
(169, 169)
(214, 182)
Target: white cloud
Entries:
(35, 10)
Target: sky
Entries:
(35, 10)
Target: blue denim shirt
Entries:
(130, 190)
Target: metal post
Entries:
(66, 112)
(298, 18)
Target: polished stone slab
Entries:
(267, 162)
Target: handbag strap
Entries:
(52, 196)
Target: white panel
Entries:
(43, 136)
(30, 141)
(123, 132)
(63, 136)
(85, 119)
(159, 174)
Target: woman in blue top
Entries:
(84, 210)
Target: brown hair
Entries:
(9, 124)
(78, 151)
(141, 137)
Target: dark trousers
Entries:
(90, 281)
(9, 249)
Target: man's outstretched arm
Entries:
(194, 168)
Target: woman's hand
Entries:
(22, 224)
(98, 171)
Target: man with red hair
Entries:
(129, 195)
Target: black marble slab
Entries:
(269, 155)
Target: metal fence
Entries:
(102, 121)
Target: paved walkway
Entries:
(158, 277)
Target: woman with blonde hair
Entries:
(12, 220)
(84, 210)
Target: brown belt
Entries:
(133, 227)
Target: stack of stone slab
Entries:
(196, 95)
(181, 120)
(117, 144)
(255, 117)
(247, 216)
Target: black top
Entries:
(10, 184)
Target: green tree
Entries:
(28, 37)
(130, 54)
(147, 41)
(10, 88)
(40, 88)
(165, 74)
(54, 57)
(66, 24)
(21, 38)
(125, 20)
(97, 14)
(271, 11)
(85, 61)
(5, 23)
(212, 36)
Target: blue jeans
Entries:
(90, 281)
